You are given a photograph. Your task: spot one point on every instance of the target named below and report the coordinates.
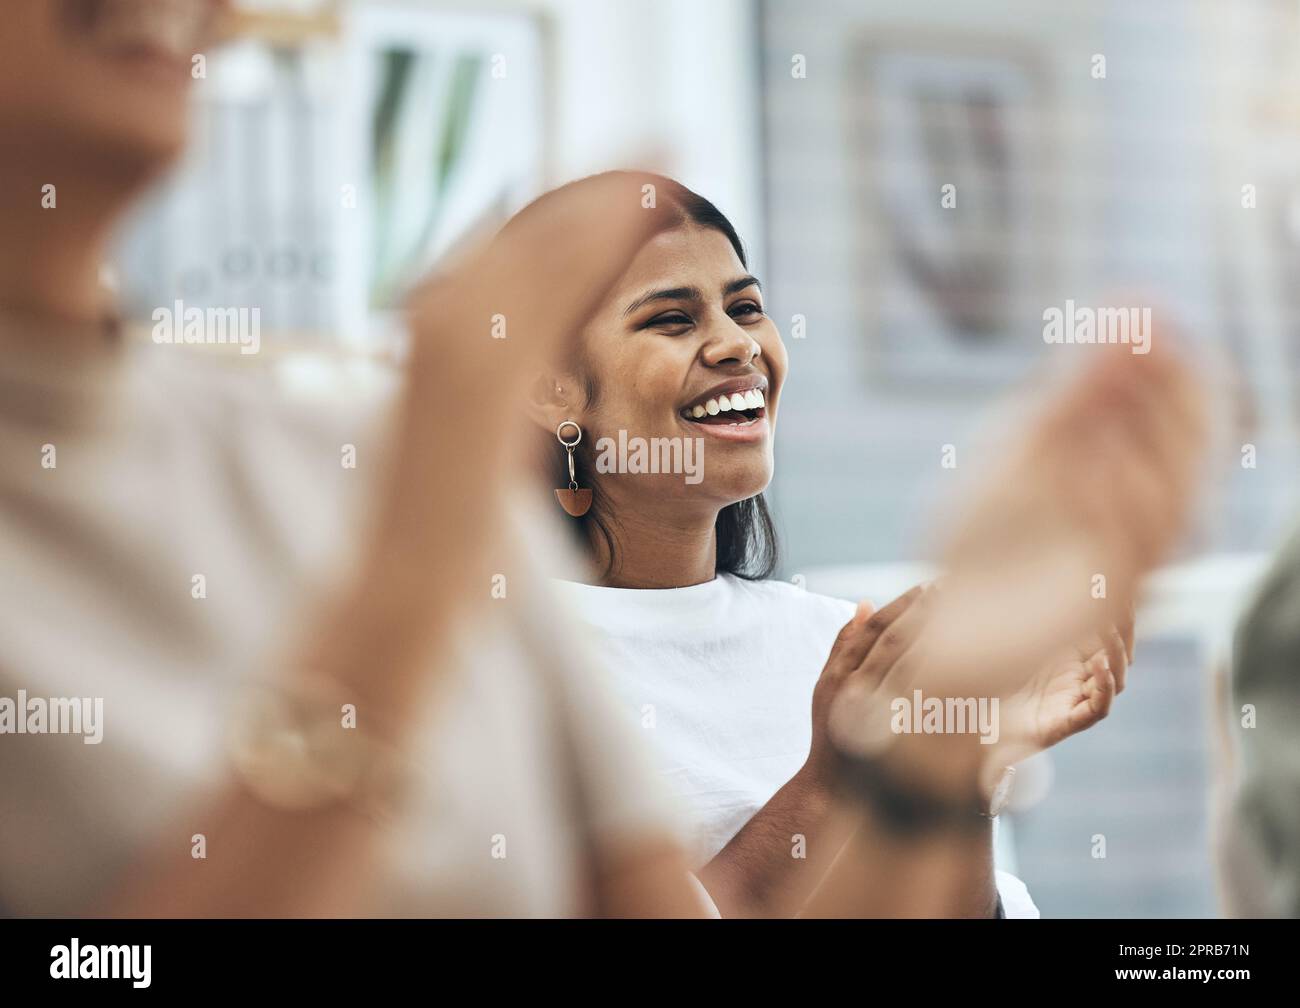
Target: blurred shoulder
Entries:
(308, 399)
(293, 456)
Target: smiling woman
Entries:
(690, 281)
(724, 663)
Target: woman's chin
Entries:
(732, 488)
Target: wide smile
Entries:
(736, 410)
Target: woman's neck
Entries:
(52, 246)
(657, 551)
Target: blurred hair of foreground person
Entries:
(1258, 807)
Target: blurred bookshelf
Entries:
(338, 150)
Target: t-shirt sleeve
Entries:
(1016, 901)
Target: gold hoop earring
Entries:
(575, 501)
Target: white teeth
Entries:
(750, 399)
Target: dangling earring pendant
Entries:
(576, 502)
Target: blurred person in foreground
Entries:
(404, 744)
(345, 721)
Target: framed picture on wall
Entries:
(955, 195)
(446, 118)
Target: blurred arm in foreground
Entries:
(441, 529)
(169, 461)
(1017, 591)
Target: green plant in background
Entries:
(394, 257)
(395, 73)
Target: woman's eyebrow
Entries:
(741, 284)
(672, 294)
(689, 293)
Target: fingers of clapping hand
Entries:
(885, 658)
(1107, 648)
(1100, 686)
(543, 273)
(1117, 657)
(862, 632)
(851, 642)
(577, 240)
(1127, 625)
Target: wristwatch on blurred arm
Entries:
(291, 748)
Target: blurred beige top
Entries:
(170, 465)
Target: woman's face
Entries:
(681, 349)
(107, 78)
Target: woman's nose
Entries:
(731, 345)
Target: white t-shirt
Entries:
(721, 677)
(169, 467)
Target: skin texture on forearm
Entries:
(773, 864)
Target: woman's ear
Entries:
(552, 399)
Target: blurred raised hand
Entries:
(1054, 546)
(1034, 607)
(457, 443)
(1066, 695)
